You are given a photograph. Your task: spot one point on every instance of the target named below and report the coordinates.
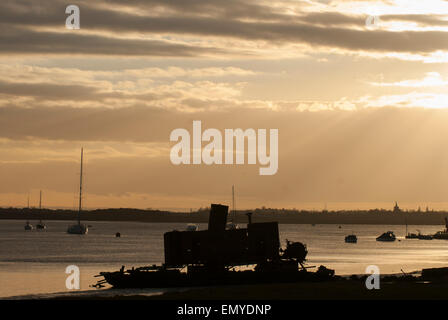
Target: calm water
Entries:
(34, 262)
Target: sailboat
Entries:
(79, 228)
(28, 226)
(408, 234)
(40, 225)
(232, 225)
(388, 236)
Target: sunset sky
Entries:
(361, 109)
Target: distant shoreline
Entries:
(378, 217)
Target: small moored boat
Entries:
(387, 236)
(192, 227)
(351, 238)
(28, 226)
(411, 236)
(442, 235)
(41, 225)
(425, 236)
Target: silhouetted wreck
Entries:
(212, 257)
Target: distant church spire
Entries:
(396, 208)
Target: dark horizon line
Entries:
(206, 209)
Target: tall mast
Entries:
(233, 204)
(80, 191)
(406, 219)
(40, 206)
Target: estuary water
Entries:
(33, 263)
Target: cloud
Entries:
(432, 79)
(20, 73)
(47, 91)
(201, 29)
(421, 19)
(427, 100)
(169, 88)
(26, 41)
